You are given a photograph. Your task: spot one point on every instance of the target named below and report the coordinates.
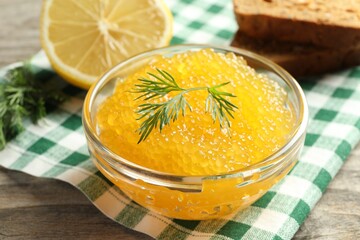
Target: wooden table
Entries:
(48, 209)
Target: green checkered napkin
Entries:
(56, 148)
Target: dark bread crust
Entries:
(287, 29)
(301, 60)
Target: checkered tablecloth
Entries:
(56, 148)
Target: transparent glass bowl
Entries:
(194, 197)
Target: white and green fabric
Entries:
(56, 147)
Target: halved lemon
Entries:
(84, 38)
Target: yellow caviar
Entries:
(194, 144)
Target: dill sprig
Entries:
(21, 95)
(161, 114)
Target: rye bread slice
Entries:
(300, 59)
(326, 23)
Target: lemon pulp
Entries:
(84, 38)
(194, 144)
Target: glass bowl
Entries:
(194, 197)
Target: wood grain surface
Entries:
(36, 208)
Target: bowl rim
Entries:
(297, 134)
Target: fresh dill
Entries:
(161, 114)
(21, 95)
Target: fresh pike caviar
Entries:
(194, 144)
(195, 169)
